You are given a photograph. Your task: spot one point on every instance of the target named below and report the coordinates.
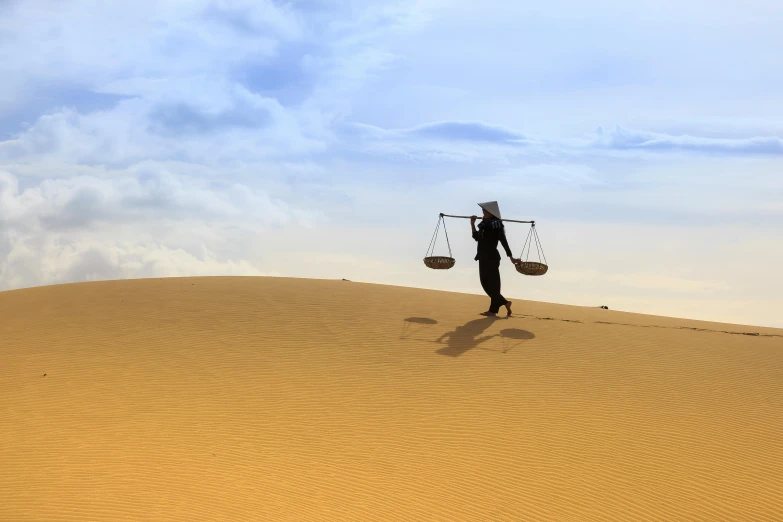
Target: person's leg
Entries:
(485, 275)
(493, 277)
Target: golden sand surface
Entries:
(265, 399)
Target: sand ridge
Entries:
(236, 398)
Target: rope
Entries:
(539, 250)
(532, 235)
(538, 241)
(529, 238)
(530, 245)
(433, 241)
(447, 237)
(434, 236)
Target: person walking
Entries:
(490, 231)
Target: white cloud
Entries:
(246, 126)
(624, 139)
(34, 262)
(91, 42)
(147, 192)
(467, 141)
(147, 223)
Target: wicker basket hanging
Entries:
(439, 262)
(532, 268)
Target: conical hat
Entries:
(491, 207)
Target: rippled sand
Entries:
(264, 399)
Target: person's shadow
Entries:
(465, 337)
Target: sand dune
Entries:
(238, 399)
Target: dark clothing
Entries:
(489, 273)
(490, 232)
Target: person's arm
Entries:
(473, 227)
(504, 242)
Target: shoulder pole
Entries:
(468, 217)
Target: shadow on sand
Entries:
(513, 337)
(469, 336)
(415, 324)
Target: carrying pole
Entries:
(468, 217)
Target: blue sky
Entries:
(322, 139)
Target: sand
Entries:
(234, 399)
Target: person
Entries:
(491, 231)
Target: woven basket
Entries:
(439, 262)
(531, 268)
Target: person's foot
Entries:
(488, 314)
(508, 308)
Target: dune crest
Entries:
(238, 398)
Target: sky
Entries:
(322, 138)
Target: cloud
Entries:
(206, 81)
(182, 119)
(432, 142)
(246, 126)
(97, 43)
(467, 141)
(40, 261)
(625, 139)
(253, 17)
(147, 222)
(147, 192)
(465, 131)
(439, 131)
